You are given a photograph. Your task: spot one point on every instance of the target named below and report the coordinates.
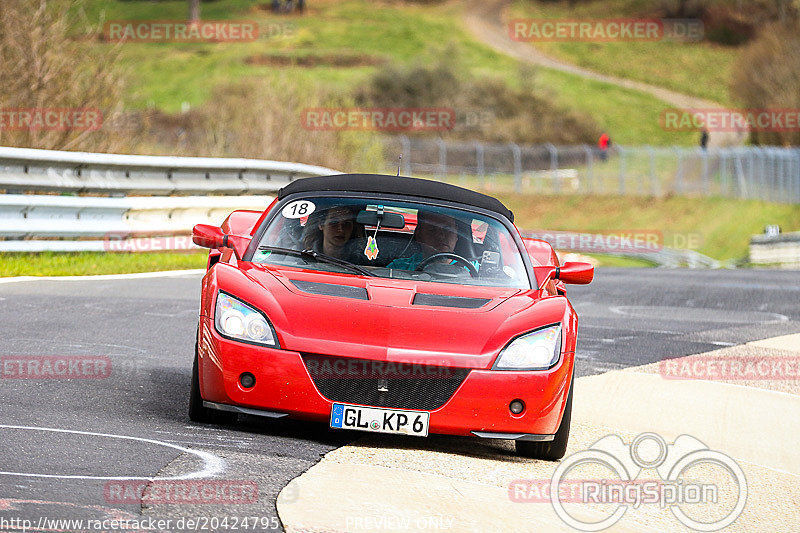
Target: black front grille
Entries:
(382, 383)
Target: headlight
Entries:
(237, 320)
(537, 350)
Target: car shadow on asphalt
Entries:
(170, 397)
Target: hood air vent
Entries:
(459, 302)
(330, 289)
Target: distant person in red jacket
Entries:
(603, 144)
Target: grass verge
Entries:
(620, 261)
(91, 263)
(717, 227)
(94, 263)
(699, 69)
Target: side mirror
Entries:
(209, 236)
(575, 272)
(570, 272)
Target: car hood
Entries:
(385, 319)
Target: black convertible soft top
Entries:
(379, 183)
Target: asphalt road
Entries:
(146, 327)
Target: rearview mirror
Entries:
(575, 272)
(389, 220)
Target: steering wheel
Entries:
(446, 255)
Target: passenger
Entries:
(330, 231)
(435, 234)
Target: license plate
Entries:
(378, 420)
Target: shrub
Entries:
(486, 109)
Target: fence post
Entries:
(406, 155)
(554, 166)
(679, 171)
(706, 178)
(740, 173)
(653, 178)
(589, 166)
(479, 161)
(517, 167)
(796, 175)
(724, 177)
(782, 174)
(442, 158)
(773, 182)
(621, 151)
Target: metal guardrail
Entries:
(101, 198)
(24, 170)
(26, 216)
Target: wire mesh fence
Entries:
(763, 173)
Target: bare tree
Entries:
(194, 10)
(47, 61)
(767, 76)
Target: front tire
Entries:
(555, 449)
(197, 411)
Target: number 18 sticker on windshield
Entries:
(298, 209)
(379, 420)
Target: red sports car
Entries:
(387, 304)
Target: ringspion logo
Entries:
(689, 476)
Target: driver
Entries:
(435, 234)
(330, 231)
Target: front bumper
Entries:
(479, 406)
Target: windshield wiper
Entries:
(322, 258)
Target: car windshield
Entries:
(393, 239)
